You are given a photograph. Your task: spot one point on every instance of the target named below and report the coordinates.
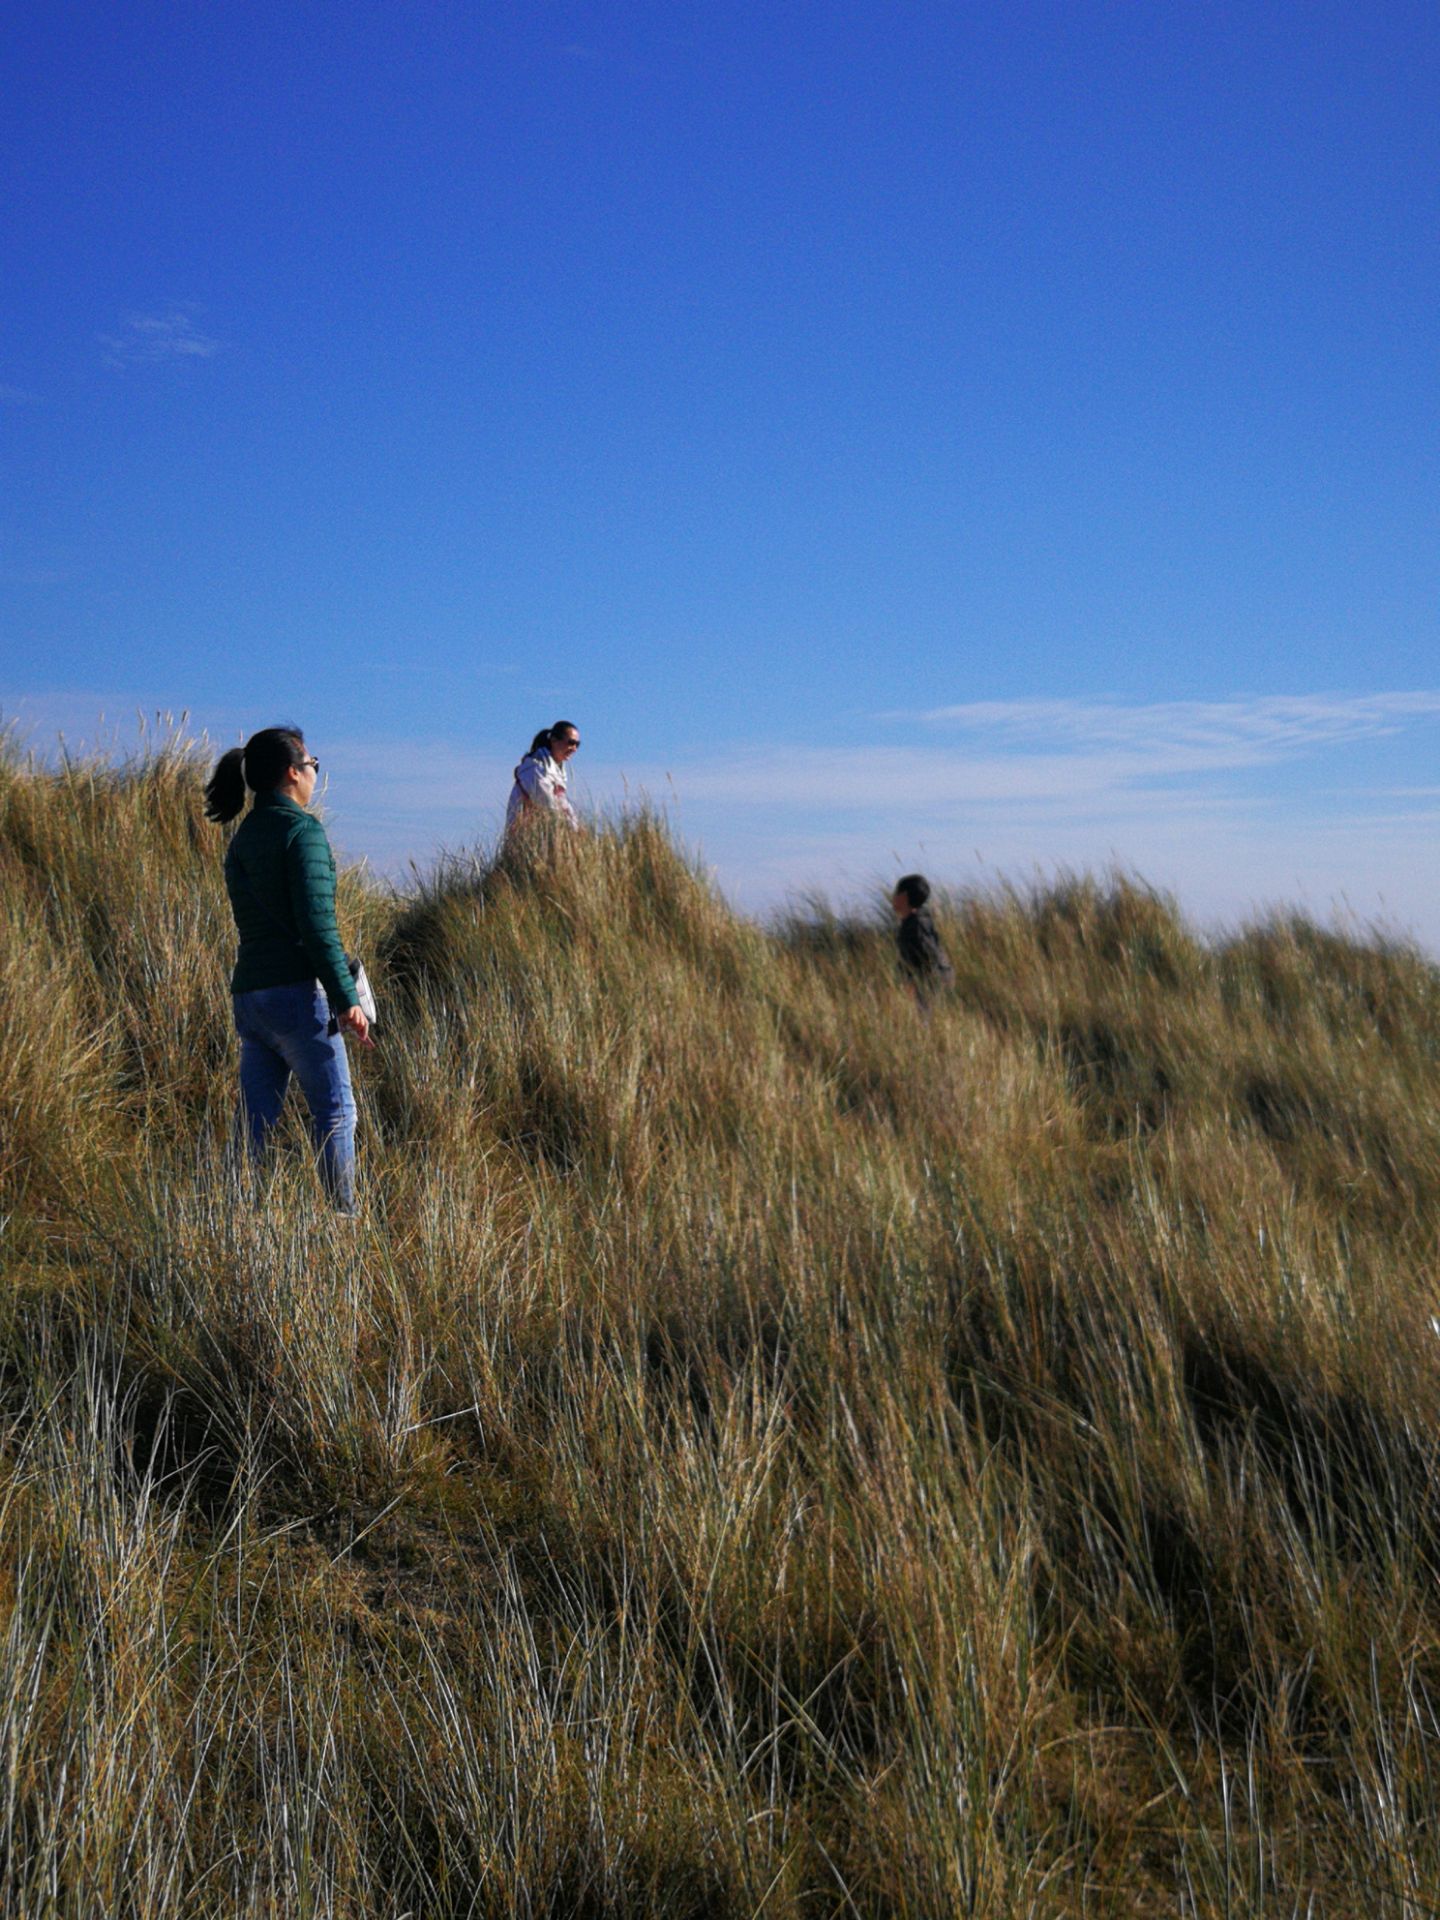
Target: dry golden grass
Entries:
(759, 1451)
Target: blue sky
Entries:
(985, 437)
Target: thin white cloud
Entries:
(148, 339)
(1074, 754)
(1266, 725)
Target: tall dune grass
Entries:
(760, 1450)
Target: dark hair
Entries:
(260, 764)
(547, 734)
(916, 889)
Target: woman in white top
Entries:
(539, 790)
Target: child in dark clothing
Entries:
(923, 959)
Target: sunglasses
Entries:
(310, 761)
(568, 743)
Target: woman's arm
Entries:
(310, 872)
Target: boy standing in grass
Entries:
(923, 958)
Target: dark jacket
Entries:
(280, 875)
(922, 956)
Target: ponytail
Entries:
(225, 789)
(259, 765)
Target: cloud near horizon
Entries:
(1266, 724)
(1075, 752)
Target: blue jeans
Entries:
(285, 1030)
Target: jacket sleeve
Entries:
(537, 780)
(527, 778)
(310, 873)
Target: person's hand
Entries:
(353, 1021)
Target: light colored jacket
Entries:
(539, 789)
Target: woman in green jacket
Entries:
(293, 992)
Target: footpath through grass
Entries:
(758, 1452)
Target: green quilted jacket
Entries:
(280, 875)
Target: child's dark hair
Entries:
(916, 889)
(547, 734)
(260, 764)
